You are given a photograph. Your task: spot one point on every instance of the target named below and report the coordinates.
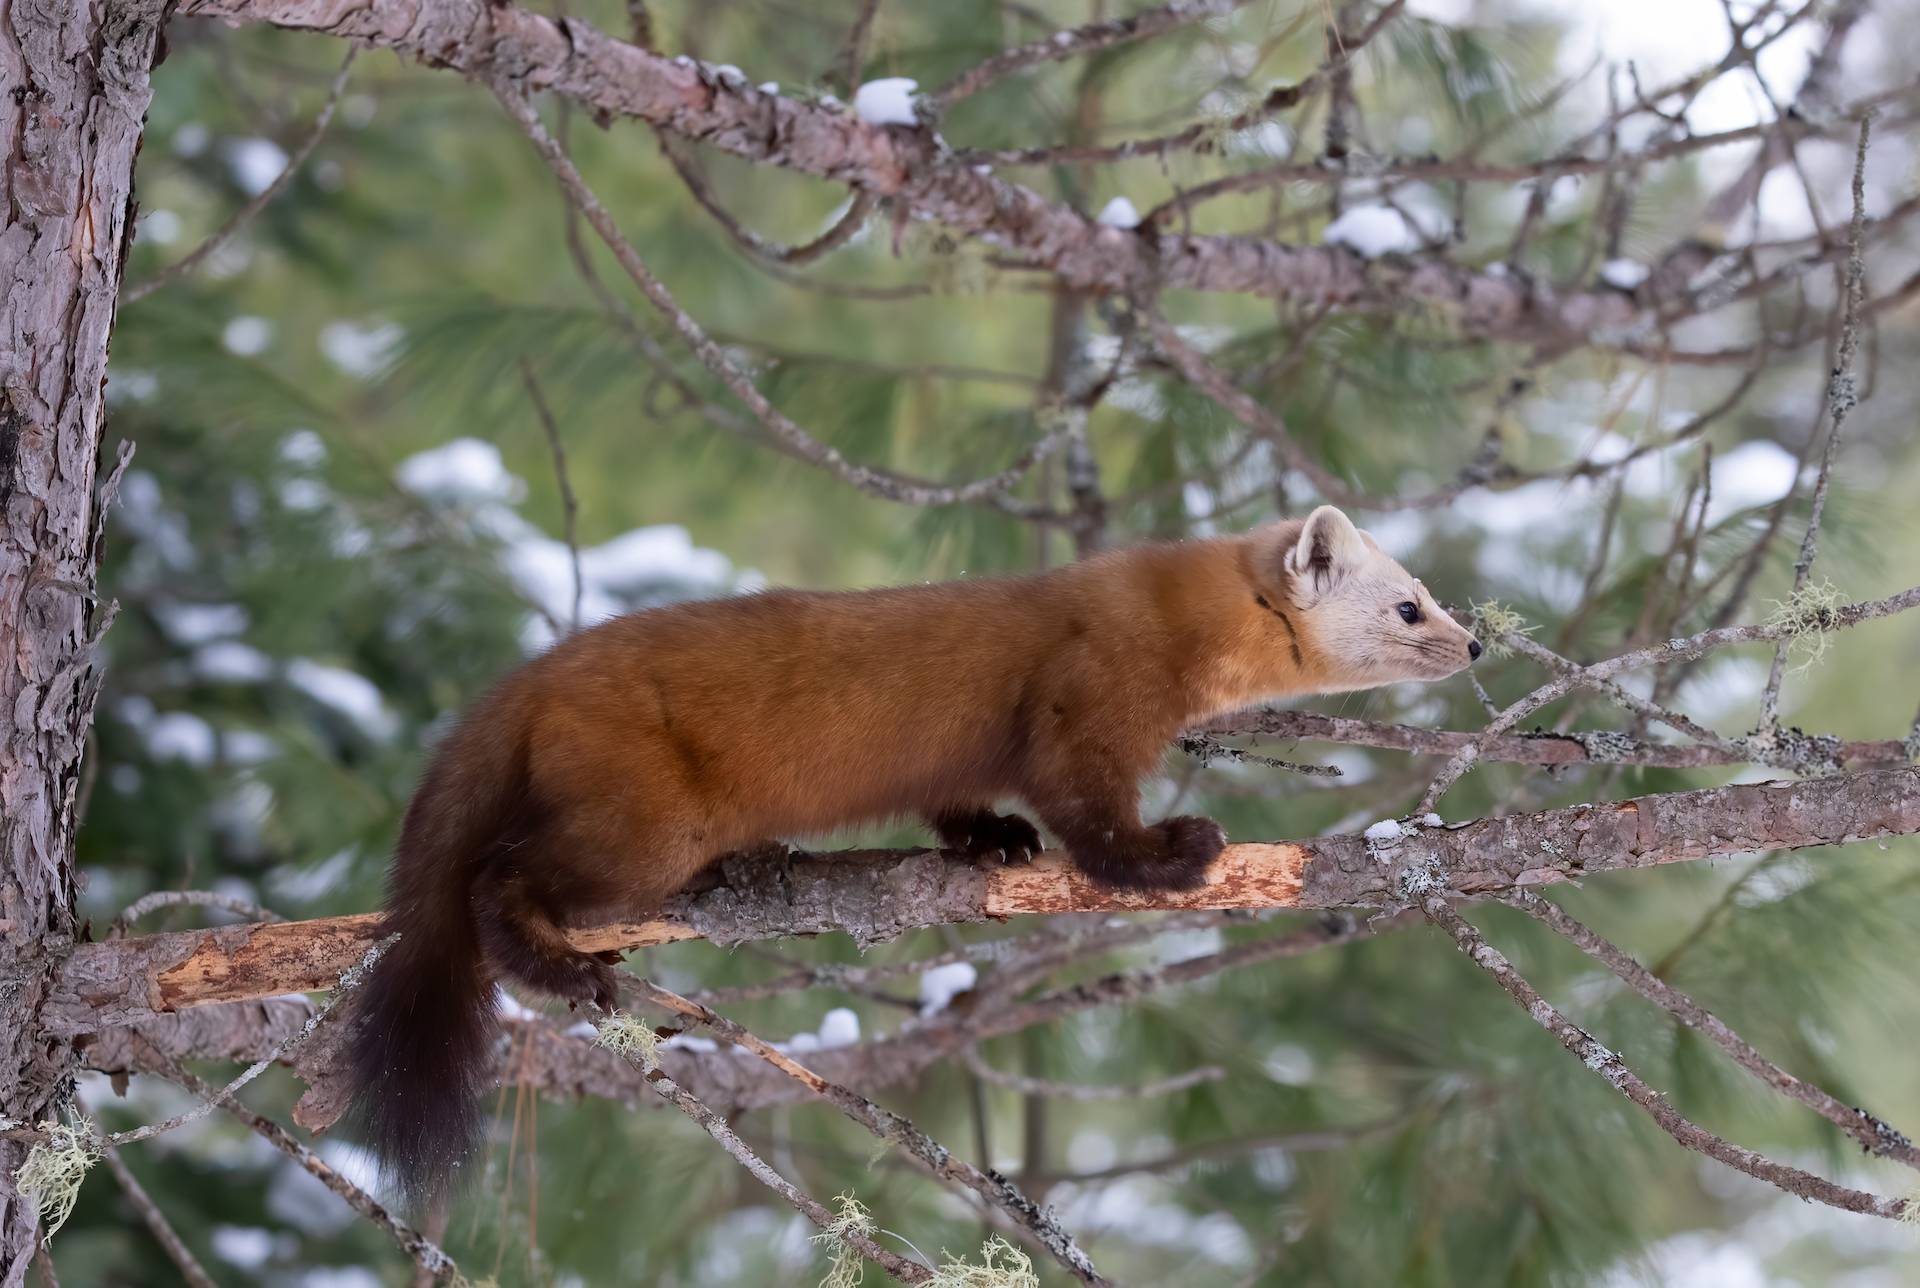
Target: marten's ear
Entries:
(1329, 549)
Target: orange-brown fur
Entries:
(595, 780)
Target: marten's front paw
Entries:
(1006, 837)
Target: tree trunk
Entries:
(73, 100)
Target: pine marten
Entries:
(600, 776)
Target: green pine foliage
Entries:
(297, 625)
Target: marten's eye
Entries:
(1409, 611)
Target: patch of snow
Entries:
(768, 87)
(348, 692)
(887, 101)
(229, 661)
(247, 336)
(302, 885)
(144, 515)
(508, 1007)
(1624, 274)
(465, 469)
(1754, 473)
(247, 747)
(1372, 230)
(1289, 1064)
(304, 494)
(691, 1042)
(1384, 832)
(939, 986)
(339, 1277)
(191, 139)
(254, 163)
(248, 1247)
(199, 623)
(132, 386)
(645, 557)
(840, 1027)
(360, 349)
(1186, 945)
(160, 227)
(1431, 820)
(181, 735)
(1119, 213)
(304, 448)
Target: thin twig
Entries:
(260, 200)
(1074, 41)
(1027, 1086)
(1843, 396)
(157, 1224)
(1872, 1133)
(994, 1189)
(570, 505)
(838, 234)
(1677, 650)
(1624, 1080)
(424, 1252)
(874, 482)
(159, 899)
(686, 1102)
(855, 56)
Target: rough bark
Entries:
(877, 895)
(76, 92)
(722, 109)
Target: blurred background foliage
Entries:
(343, 521)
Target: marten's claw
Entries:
(1007, 838)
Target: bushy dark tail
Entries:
(425, 1021)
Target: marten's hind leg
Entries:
(571, 870)
(980, 833)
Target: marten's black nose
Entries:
(1474, 650)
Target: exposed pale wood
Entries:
(875, 895)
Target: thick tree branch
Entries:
(525, 52)
(877, 895)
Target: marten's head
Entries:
(1359, 618)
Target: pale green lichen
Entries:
(1910, 1210)
(1493, 622)
(633, 1038)
(847, 1266)
(1807, 618)
(50, 1178)
(1001, 1266)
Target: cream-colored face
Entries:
(1368, 619)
